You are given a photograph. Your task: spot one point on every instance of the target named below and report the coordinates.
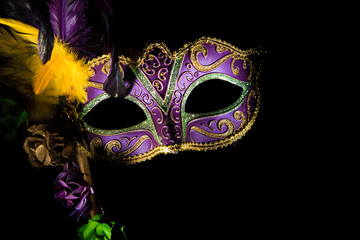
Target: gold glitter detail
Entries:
(186, 146)
(106, 68)
(239, 115)
(95, 85)
(95, 143)
(221, 46)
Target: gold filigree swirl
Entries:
(230, 129)
(239, 115)
(196, 49)
(111, 154)
(95, 143)
(95, 85)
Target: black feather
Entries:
(36, 14)
(46, 33)
(114, 84)
(19, 10)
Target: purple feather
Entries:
(68, 20)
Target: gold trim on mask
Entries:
(186, 146)
(195, 50)
(230, 129)
(96, 85)
(225, 139)
(111, 154)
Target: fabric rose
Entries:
(72, 191)
(12, 116)
(46, 147)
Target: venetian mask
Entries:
(160, 85)
(202, 97)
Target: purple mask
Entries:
(160, 84)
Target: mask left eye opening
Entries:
(114, 113)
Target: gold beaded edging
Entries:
(180, 53)
(185, 146)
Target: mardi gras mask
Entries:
(161, 83)
(163, 99)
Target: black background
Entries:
(271, 183)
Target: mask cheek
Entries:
(211, 129)
(122, 145)
(224, 126)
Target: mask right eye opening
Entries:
(211, 96)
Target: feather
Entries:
(106, 16)
(69, 23)
(39, 84)
(19, 10)
(32, 35)
(114, 84)
(63, 75)
(34, 13)
(46, 34)
(24, 31)
(19, 60)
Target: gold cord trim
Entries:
(186, 146)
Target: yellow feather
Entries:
(27, 32)
(63, 75)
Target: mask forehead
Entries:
(160, 85)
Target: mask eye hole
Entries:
(115, 113)
(212, 95)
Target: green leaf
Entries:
(123, 231)
(87, 231)
(104, 230)
(94, 230)
(22, 118)
(112, 223)
(96, 218)
(12, 116)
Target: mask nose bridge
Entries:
(171, 130)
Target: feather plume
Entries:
(24, 31)
(63, 75)
(64, 72)
(114, 84)
(19, 10)
(69, 23)
(34, 13)
(18, 61)
(46, 34)
(106, 15)
(39, 84)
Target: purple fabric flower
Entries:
(72, 191)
